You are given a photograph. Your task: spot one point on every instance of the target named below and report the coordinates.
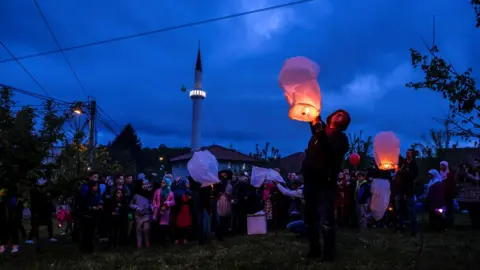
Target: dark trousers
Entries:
(8, 231)
(118, 231)
(239, 218)
(199, 226)
(450, 213)
(36, 223)
(320, 217)
(222, 227)
(181, 233)
(87, 233)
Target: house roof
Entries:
(291, 163)
(221, 153)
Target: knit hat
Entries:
(41, 181)
(141, 177)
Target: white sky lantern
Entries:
(386, 147)
(298, 79)
(203, 168)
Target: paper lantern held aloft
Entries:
(203, 168)
(298, 79)
(354, 159)
(386, 147)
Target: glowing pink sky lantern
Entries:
(386, 148)
(298, 79)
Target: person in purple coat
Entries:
(436, 200)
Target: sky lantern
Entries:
(298, 79)
(354, 159)
(386, 147)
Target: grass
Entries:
(458, 248)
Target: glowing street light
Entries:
(77, 111)
(160, 158)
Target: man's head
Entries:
(93, 176)
(339, 120)
(410, 154)
(292, 176)
(129, 179)
(119, 179)
(361, 176)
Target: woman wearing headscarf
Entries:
(449, 186)
(435, 199)
(163, 200)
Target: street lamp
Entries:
(160, 158)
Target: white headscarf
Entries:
(444, 174)
(436, 178)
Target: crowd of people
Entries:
(121, 211)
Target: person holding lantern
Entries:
(320, 168)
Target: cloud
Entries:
(264, 32)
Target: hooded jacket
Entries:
(326, 151)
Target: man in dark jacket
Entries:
(323, 160)
(405, 197)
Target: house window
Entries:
(244, 166)
(229, 165)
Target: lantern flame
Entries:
(386, 147)
(298, 79)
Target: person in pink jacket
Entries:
(163, 200)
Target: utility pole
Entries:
(92, 111)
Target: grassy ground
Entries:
(378, 249)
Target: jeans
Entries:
(298, 227)
(405, 208)
(320, 217)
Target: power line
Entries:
(59, 47)
(24, 68)
(35, 95)
(166, 29)
(101, 111)
(106, 125)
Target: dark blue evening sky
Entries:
(362, 48)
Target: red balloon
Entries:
(354, 159)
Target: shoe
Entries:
(53, 240)
(29, 242)
(15, 249)
(2, 249)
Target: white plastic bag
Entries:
(260, 175)
(380, 198)
(203, 168)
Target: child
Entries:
(163, 200)
(64, 218)
(362, 197)
(183, 219)
(267, 202)
(143, 212)
(436, 200)
(118, 211)
(224, 211)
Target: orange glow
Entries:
(78, 111)
(386, 148)
(298, 79)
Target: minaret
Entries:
(197, 95)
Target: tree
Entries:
(361, 146)
(459, 88)
(268, 152)
(26, 139)
(126, 149)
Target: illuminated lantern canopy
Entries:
(298, 79)
(386, 147)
